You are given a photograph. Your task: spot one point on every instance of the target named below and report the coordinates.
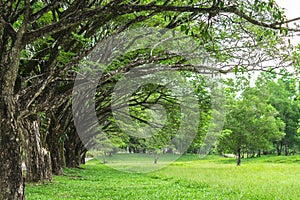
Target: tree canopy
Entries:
(42, 42)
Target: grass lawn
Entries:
(213, 177)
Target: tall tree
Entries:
(281, 92)
(251, 124)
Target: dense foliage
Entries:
(42, 42)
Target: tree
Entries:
(251, 124)
(282, 94)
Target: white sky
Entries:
(292, 10)
(292, 7)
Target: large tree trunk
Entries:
(73, 149)
(238, 158)
(56, 148)
(56, 138)
(37, 158)
(11, 177)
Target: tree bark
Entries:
(56, 148)
(37, 158)
(11, 176)
(55, 144)
(73, 149)
(12, 184)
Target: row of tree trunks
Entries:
(280, 146)
(64, 151)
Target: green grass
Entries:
(268, 177)
(143, 163)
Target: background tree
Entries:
(251, 124)
(281, 92)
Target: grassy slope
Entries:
(189, 178)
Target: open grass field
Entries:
(213, 177)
